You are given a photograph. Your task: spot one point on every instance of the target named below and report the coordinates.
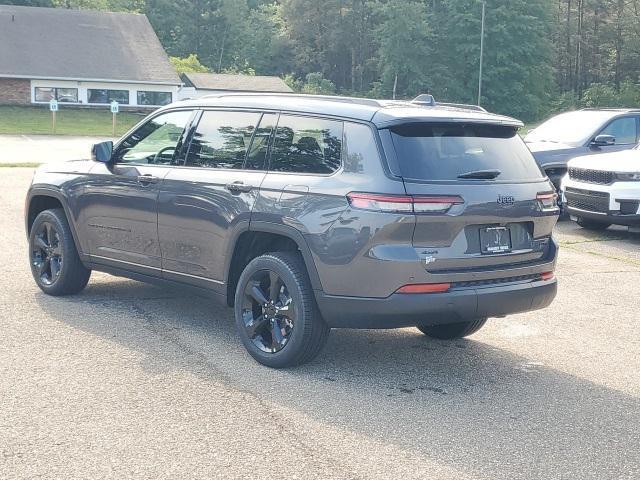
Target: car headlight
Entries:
(628, 177)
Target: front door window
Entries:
(155, 142)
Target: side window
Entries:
(156, 141)
(306, 145)
(624, 129)
(221, 139)
(257, 154)
(360, 150)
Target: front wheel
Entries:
(592, 224)
(276, 314)
(55, 264)
(451, 331)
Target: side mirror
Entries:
(102, 152)
(604, 140)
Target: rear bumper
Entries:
(458, 305)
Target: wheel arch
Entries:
(42, 198)
(259, 238)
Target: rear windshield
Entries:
(432, 151)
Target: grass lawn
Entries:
(70, 121)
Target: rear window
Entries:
(432, 151)
(306, 145)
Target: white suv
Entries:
(602, 190)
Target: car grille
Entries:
(588, 200)
(591, 176)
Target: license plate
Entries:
(495, 240)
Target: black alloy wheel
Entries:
(268, 311)
(46, 253)
(53, 257)
(276, 313)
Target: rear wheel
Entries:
(55, 264)
(276, 314)
(592, 224)
(450, 331)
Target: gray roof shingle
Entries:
(81, 44)
(243, 83)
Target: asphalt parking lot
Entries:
(130, 380)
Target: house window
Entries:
(100, 95)
(154, 98)
(68, 95)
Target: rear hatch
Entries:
(497, 209)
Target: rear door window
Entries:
(221, 139)
(444, 151)
(307, 145)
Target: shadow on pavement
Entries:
(467, 404)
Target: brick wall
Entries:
(15, 91)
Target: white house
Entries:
(82, 57)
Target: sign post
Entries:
(53, 106)
(115, 108)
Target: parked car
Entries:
(307, 213)
(579, 133)
(603, 190)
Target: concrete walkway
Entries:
(45, 148)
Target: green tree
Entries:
(316, 84)
(188, 64)
(517, 67)
(405, 47)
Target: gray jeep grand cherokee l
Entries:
(307, 213)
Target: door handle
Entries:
(238, 187)
(147, 179)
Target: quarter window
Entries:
(155, 142)
(99, 95)
(154, 98)
(307, 145)
(624, 129)
(222, 139)
(63, 95)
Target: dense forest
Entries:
(540, 56)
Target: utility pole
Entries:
(481, 53)
(395, 84)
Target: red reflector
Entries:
(425, 288)
(547, 276)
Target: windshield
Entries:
(570, 127)
(447, 151)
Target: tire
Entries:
(451, 331)
(279, 323)
(54, 260)
(592, 224)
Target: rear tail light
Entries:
(547, 276)
(548, 200)
(403, 203)
(425, 288)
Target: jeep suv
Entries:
(307, 213)
(603, 190)
(579, 133)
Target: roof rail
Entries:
(465, 106)
(611, 109)
(330, 98)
